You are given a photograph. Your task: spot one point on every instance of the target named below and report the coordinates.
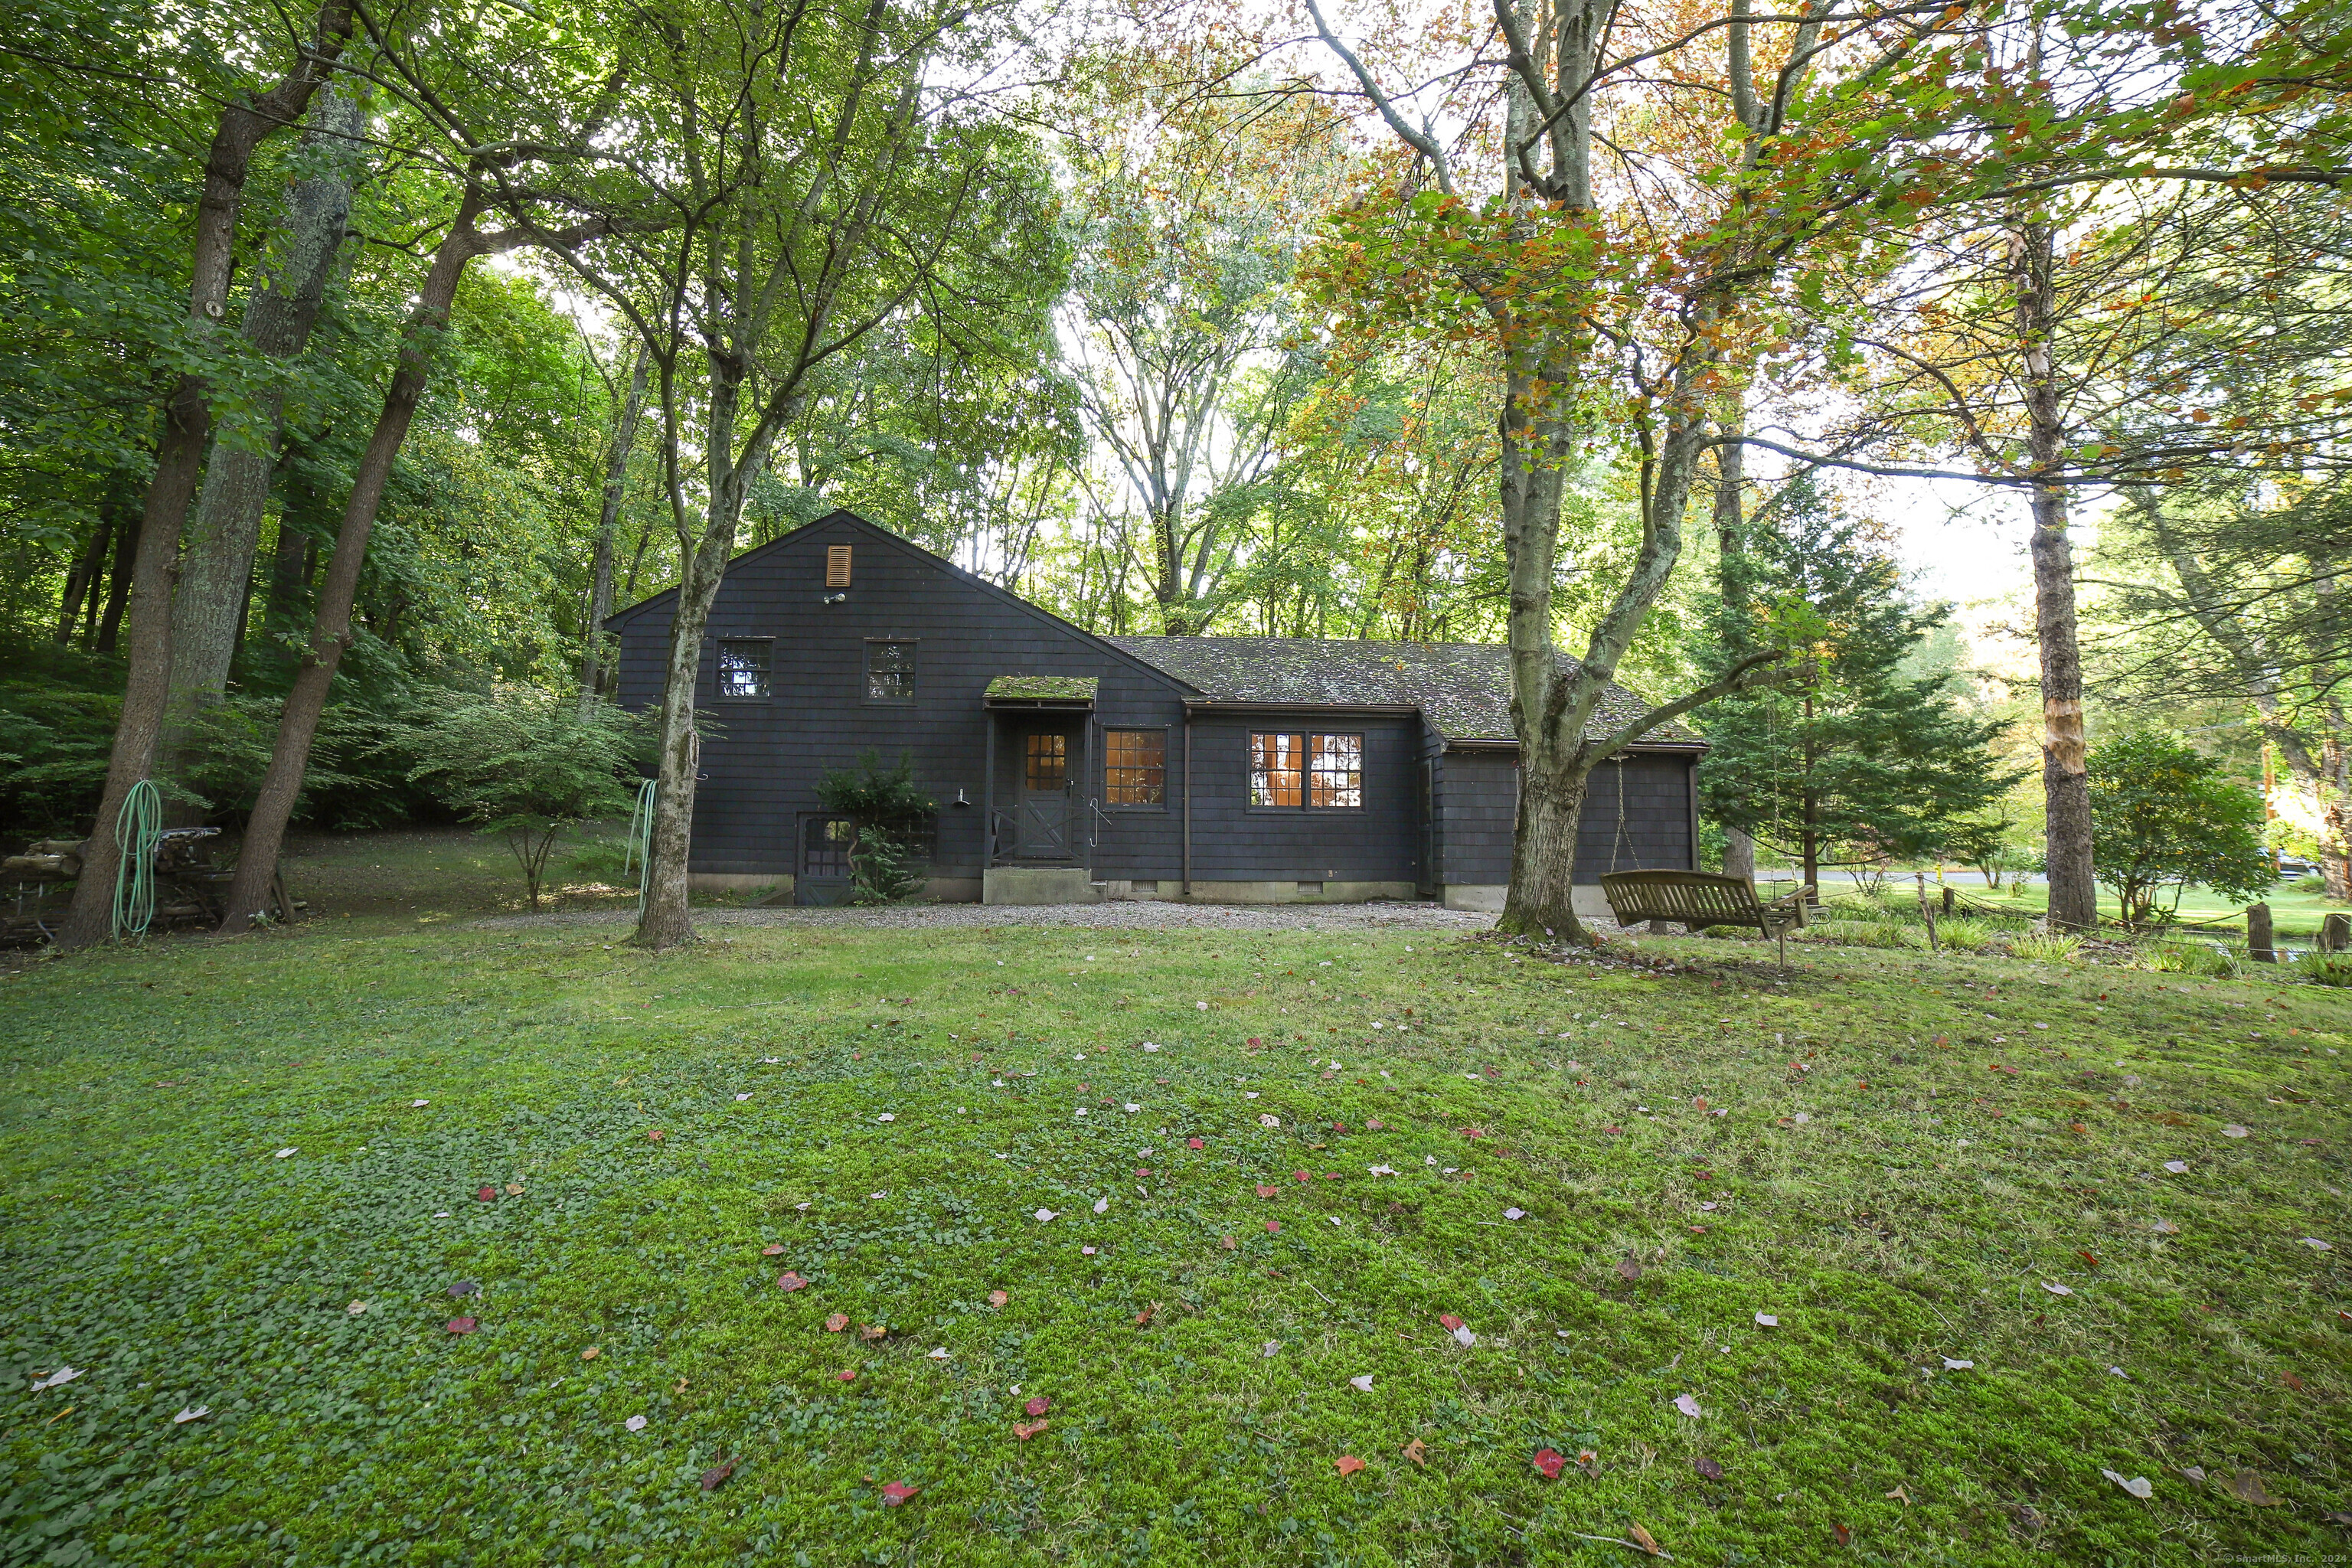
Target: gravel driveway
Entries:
(1140, 914)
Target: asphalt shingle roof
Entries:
(1461, 688)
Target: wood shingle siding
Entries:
(764, 755)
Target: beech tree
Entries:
(819, 186)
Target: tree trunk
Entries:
(331, 628)
(2065, 780)
(117, 583)
(593, 672)
(83, 579)
(1731, 546)
(187, 422)
(217, 560)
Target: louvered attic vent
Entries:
(836, 566)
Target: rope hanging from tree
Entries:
(138, 828)
(640, 851)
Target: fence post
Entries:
(2258, 934)
(2336, 933)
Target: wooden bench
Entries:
(1700, 899)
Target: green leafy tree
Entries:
(2165, 816)
(1860, 762)
(889, 812)
(529, 766)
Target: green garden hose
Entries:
(641, 841)
(138, 828)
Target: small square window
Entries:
(889, 672)
(1135, 767)
(744, 666)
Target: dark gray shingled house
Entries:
(1071, 767)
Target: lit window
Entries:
(1135, 766)
(1046, 759)
(744, 666)
(1321, 771)
(889, 672)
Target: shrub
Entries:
(2162, 815)
(2047, 947)
(2325, 969)
(1962, 934)
(2170, 958)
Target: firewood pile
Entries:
(190, 886)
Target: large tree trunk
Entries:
(594, 667)
(216, 559)
(2066, 779)
(187, 422)
(330, 627)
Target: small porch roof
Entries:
(1073, 692)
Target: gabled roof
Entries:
(1462, 690)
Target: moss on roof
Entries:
(1463, 690)
(1042, 688)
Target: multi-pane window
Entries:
(744, 666)
(889, 671)
(824, 848)
(1045, 761)
(1318, 772)
(1135, 767)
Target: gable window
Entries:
(1135, 767)
(889, 671)
(744, 666)
(1316, 772)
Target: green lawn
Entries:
(2295, 911)
(884, 1112)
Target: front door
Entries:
(1042, 824)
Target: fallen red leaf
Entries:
(1301, 1176)
(1551, 1461)
(716, 1476)
(1252, 1039)
(1844, 1536)
(2291, 1381)
(461, 1325)
(653, 1137)
(1448, 1321)
(1266, 1192)
(995, 1298)
(838, 1323)
(1144, 1317)
(1347, 1464)
(788, 1280)
(1338, 1127)
(1372, 1127)
(1273, 1227)
(2090, 1257)
(1228, 1243)
(486, 1196)
(774, 1249)
(1038, 1404)
(1194, 1143)
(1024, 1430)
(848, 1376)
(1473, 1132)
(897, 1492)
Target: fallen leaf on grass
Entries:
(1024, 1430)
(2090, 1257)
(1628, 1270)
(1266, 1192)
(462, 1325)
(1044, 1216)
(2291, 1381)
(1347, 1464)
(1363, 1384)
(1589, 1462)
(1687, 1406)
(2139, 1486)
(591, 1353)
(716, 1476)
(2057, 1289)
(1448, 1321)
(1767, 1320)
(653, 1137)
(995, 1298)
(2165, 1227)
(1551, 1461)
(634, 1423)
(774, 1249)
(897, 1492)
(788, 1280)
(1646, 1541)
(838, 1323)
(1228, 1243)
(2247, 1486)
(1274, 1227)
(1899, 1493)
(1844, 1536)
(941, 1353)
(1708, 1468)
(465, 1288)
(1038, 1404)
(1951, 1365)
(2318, 1246)
(848, 1376)
(2235, 1131)
(2177, 1167)
(193, 1413)
(486, 1196)
(1418, 1453)
(872, 1331)
(1143, 1319)
(1194, 1143)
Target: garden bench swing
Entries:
(1698, 899)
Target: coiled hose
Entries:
(641, 841)
(138, 828)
